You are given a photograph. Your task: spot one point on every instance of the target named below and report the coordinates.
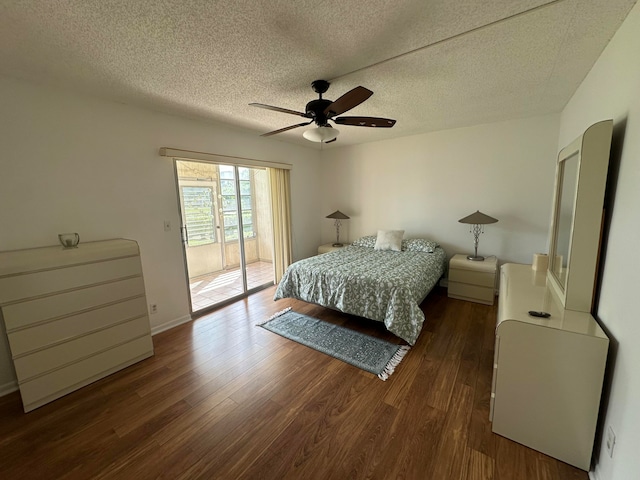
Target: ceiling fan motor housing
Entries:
(315, 109)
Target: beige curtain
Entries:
(281, 213)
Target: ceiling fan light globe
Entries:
(321, 134)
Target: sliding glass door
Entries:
(226, 231)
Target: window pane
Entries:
(248, 231)
(247, 224)
(244, 173)
(230, 233)
(230, 219)
(229, 201)
(199, 215)
(229, 204)
(246, 202)
(226, 171)
(228, 187)
(245, 187)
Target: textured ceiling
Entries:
(433, 64)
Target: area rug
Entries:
(363, 351)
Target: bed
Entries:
(382, 285)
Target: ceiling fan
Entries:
(321, 111)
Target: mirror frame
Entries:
(592, 148)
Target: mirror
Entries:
(567, 188)
(574, 240)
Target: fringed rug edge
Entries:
(275, 315)
(394, 362)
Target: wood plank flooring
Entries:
(225, 399)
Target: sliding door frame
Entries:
(236, 163)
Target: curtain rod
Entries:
(214, 158)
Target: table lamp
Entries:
(477, 221)
(337, 216)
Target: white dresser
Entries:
(548, 373)
(73, 316)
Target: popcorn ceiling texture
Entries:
(210, 59)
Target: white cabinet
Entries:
(472, 280)
(548, 373)
(72, 316)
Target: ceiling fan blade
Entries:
(351, 99)
(366, 122)
(278, 109)
(291, 127)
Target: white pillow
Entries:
(389, 240)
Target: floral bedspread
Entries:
(386, 286)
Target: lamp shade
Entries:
(321, 134)
(338, 215)
(478, 218)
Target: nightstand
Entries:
(473, 281)
(328, 247)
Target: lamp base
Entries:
(338, 245)
(475, 258)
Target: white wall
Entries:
(425, 183)
(74, 163)
(612, 90)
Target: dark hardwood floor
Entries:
(225, 399)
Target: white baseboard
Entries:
(8, 388)
(170, 324)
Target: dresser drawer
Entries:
(464, 291)
(47, 282)
(48, 387)
(50, 359)
(482, 279)
(23, 314)
(67, 328)
(494, 377)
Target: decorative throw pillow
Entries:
(389, 240)
(419, 245)
(368, 241)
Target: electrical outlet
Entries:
(167, 225)
(153, 308)
(610, 441)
